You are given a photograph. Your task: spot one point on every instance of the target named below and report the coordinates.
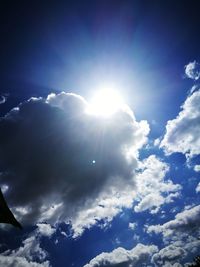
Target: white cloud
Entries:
(29, 254)
(2, 99)
(132, 226)
(180, 236)
(151, 192)
(194, 88)
(12, 261)
(153, 189)
(198, 188)
(105, 207)
(157, 142)
(197, 168)
(124, 258)
(182, 133)
(186, 220)
(168, 256)
(151, 201)
(192, 70)
(168, 264)
(46, 229)
(4, 188)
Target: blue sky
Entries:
(89, 189)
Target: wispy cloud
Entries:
(2, 99)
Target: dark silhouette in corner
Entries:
(196, 262)
(6, 215)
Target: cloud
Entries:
(45, 229)
(185, 221)
(2, 99)
(12, 260)
(135, 257)
(198, 188)
(192, 70)
(169, 256)
(197, 168)
(150, 192)
(180, 235)
(28, 254)
(4, 188)
(153, 189)
(132, 226)
(182, 133)
(105, 207)
(168, 264)
(62, 164)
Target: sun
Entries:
(105, 103)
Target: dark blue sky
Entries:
(72, 45)
(75, 46)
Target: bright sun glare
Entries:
(105, 103)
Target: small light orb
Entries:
(94, 161)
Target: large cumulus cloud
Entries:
(57, 160)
